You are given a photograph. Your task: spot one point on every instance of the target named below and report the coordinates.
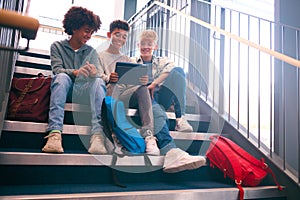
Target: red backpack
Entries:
(237, 164)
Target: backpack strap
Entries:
(106, 125)
(147, 161)
(108, 133)
(269, 170)
(115, 178)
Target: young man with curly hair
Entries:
(75, 67)
(167, 83)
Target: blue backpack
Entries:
(114, 117)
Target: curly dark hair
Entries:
(76, 17)
(120, 24)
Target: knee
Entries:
(61, 79)
(158, 113)
(99, 81)
(178, 71)
(100, 84)
(143, 91)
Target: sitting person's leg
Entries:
(97, 91)
(139, 97)
(176, 160)
(161, 130)
(174, 90)
(61, 85)
(92, 92)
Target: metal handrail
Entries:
(276, 54)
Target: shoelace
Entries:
(152, 140)
(51, 135)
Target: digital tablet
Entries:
(129, 73)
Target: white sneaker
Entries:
(177, 160)
(182, 125)
(54, 143)
(151, 146)
(97, 144)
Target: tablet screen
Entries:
(129, 73)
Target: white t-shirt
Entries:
(108, 63)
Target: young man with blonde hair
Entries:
(167, 82)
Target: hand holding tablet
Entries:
(131, 73)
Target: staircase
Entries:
(26, 173)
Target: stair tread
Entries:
(71, 159)
(35, 127)
(34, 60)
(164, 191)
(36, 52)
(32, 71)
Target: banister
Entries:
(275, 54)
(27, 25)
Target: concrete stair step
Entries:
(229, 193)
(35, 127)
(68, 159)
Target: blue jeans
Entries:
(173, 90)
(161, 129)
(63, 87)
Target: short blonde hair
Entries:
(149, 34)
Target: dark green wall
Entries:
(286, 82)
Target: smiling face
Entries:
(81, 36)
(147, 46)
(118, 38)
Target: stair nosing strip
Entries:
(201, 194)
(68, 159)
(84, 130)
